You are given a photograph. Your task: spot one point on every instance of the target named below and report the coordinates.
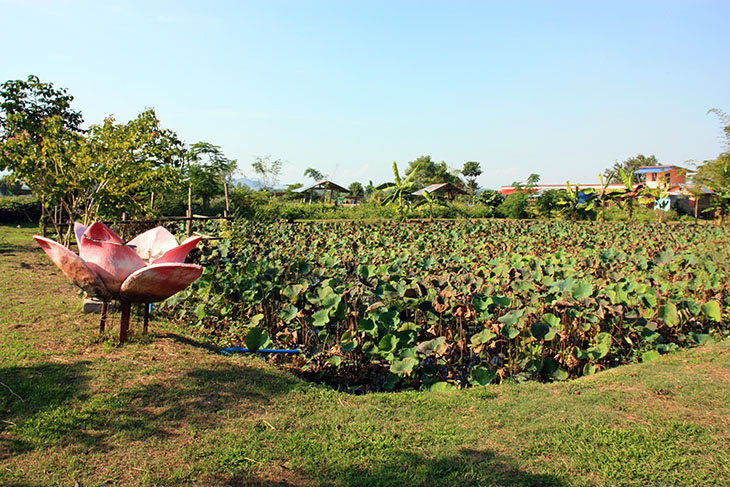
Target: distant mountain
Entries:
(253, 184)
(247, 182)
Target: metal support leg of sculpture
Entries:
(146, 317)
(124, 321)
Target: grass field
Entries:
(76, 409)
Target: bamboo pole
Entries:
(190, 210)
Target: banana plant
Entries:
(576, 200)
(602, 195)
(429, 200)
(629, 196)
(398, 191)
(654, 196)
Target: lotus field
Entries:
(392, 306)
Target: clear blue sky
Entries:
(563, 89)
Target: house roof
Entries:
(656, 169)
(439, 187)
(324, 184)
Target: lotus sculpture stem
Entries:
(149, 268)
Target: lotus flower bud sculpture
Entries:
(147, 269)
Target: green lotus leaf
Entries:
(481, 376)
(668, 314)
(288, 313)
(257, 338)
(442, 387)
(711, 309)
(404, 366)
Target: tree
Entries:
(369, 189)
(515, 205)
(629, 166)
(39, 135)
(25, 105)
(269, 171)
(125, 163)
(471, 171)
(490, 198)
(424, 172)
(715, 175)
(314, 174)
(356, 189)
(208, 169)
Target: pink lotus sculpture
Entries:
(147, 269)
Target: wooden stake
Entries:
(146, 317)
(124, 321)
(104, 309)
(225, 193)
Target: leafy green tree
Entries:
(490, 198)
(125, 163)
(208, 169)
(39, 137)
(268, 170)
(471, 171)
(356, 189)
(629, 166)
(424, 172)
(369, 189)
(314, 174)
(515, 205)
(549, 202)
(715, 175)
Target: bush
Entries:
(17, 209)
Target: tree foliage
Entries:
(311, 172)
(630, 165)
(208, 169)
(268, 171)
(356, 189)
(424, 171)
(714, 175)
(471, 171)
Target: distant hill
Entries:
(247, 182)
(253, 184)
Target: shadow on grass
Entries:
(58, 409)
(16, 249)
(467, 468)
(26, 392)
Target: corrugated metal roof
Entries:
(324, 184)
(429, 189)
(655, 169)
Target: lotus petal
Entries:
(112, 262)
(151, 244)
(101, 233)
(73, 267)
(178, 254)
(79, 230)
(159, 281)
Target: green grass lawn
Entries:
(76, 409)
